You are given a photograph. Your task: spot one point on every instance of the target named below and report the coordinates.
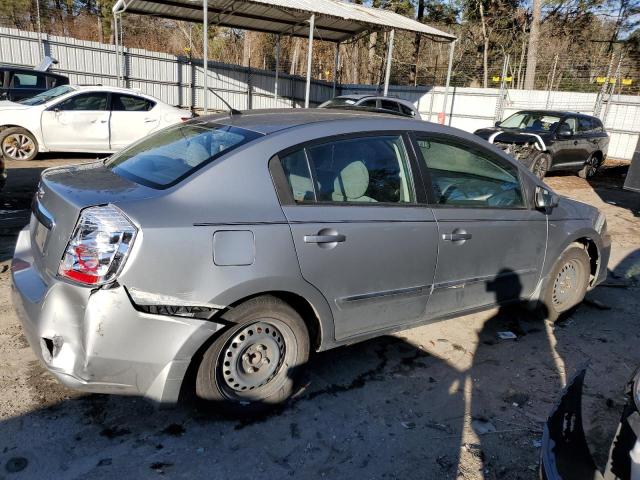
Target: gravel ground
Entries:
(448, 400)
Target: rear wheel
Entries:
(567, 284)
(540, 165)
(18, 144)
(590, 167)
(256, 363)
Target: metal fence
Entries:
(179, 81)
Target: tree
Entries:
(532, 50)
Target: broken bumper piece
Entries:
(565, 454)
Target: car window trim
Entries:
(456, 141)
(412, 164)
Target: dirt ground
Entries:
(448, 400)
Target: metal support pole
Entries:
(312, 24)
(205, 55)
(336, 63)
(275, 86)
(499, 103)
(39, 29)
(116, 37)
(553, 78)
(446, 86)
(387, 73)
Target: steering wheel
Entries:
(449, 191)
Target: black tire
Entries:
(590, 167)
(257, 363)
(567, 283)
(16, 143)
(540, 164)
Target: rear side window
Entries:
(354, 170)
(464, 176)
(167, 157)
(27, 80)
(130, 103)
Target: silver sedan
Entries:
(232, 246)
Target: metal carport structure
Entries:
(331, 20)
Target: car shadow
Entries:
(383, 408)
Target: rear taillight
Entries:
(184, 119)
(98, 247)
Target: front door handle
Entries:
(149, 120)
(575, 142)
(458, 236)
(324, 238)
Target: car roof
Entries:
(29, 70)
(557, 113)
(274, 120)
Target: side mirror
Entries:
(497, 124)
(545, 199)
(564, 131)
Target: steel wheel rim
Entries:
(566, 285)
(18, 146)
(252, 357)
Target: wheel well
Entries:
(594, 256)
(298, 303)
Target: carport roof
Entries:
(335, 20)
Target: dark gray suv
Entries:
(232, 246)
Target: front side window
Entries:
(354, 170)
(389, 105)
(584, 125)
(166, 157)
(465, 176)
(85, 102)
(130, 103)
(531, 121)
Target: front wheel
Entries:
(590, 167)
(540, 165)
(18, 144)
(257, 362)
(568, 282)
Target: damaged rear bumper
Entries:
(97, 340)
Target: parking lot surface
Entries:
(447, 400)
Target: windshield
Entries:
(166, 157)
(531, 121)
(339, 102)
(46, 96)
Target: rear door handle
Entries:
(149, 120)
(575, 142)
(324, 238)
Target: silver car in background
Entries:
(386, 104)
(233, 245)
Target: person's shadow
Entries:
(504, 371)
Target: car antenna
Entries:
(232, 111)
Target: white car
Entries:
(92, 119)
